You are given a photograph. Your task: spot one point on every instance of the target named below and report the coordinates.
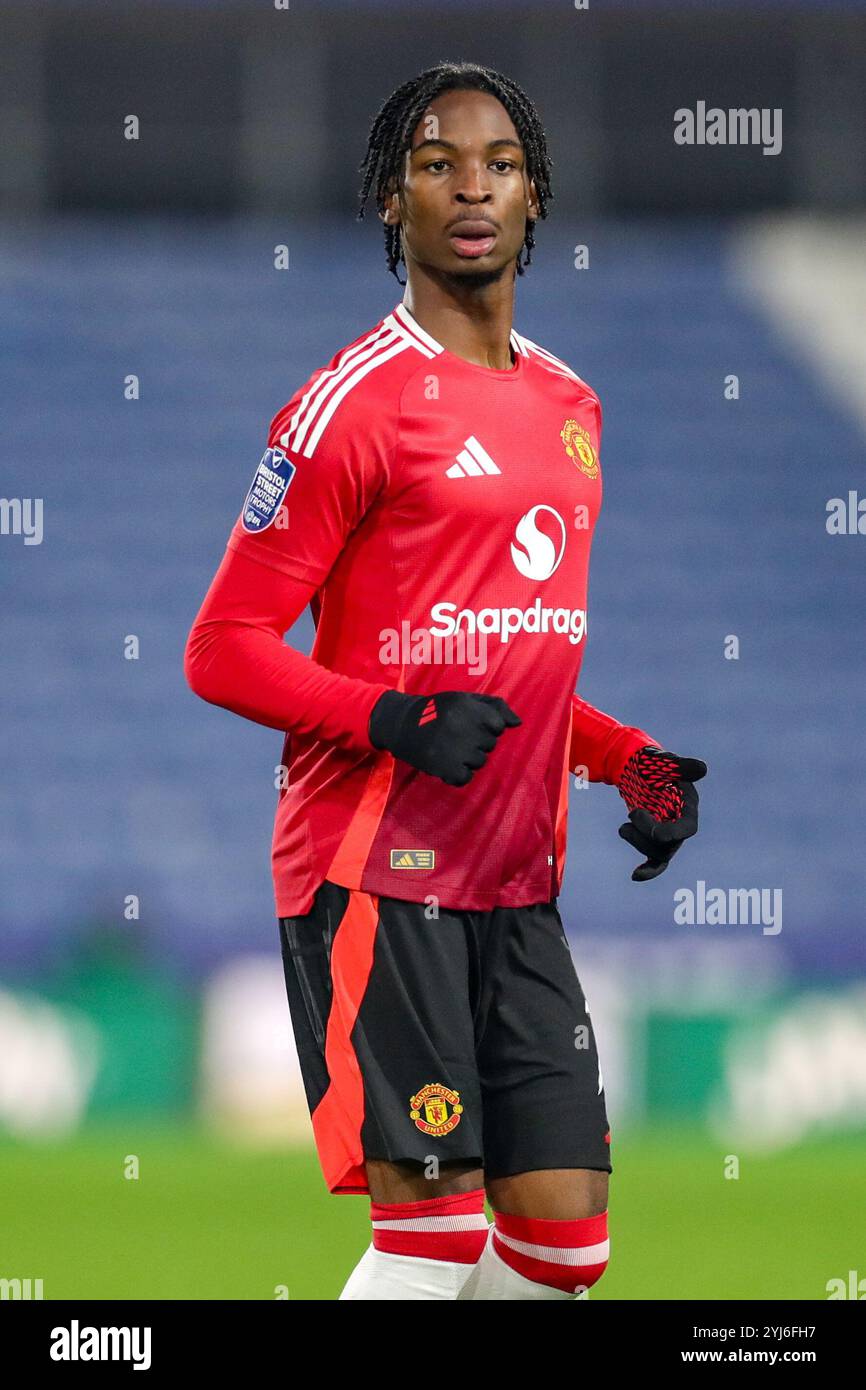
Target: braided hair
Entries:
(391, 134)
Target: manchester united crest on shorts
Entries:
(578, 446)
(436, 1109)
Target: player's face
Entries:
(466, 196)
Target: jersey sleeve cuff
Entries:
(628, 742)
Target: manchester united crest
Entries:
(436, 1109)
(578, 446)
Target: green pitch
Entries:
(206, 1221)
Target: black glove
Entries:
(658, 789)
(447, 735)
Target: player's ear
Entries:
(390, 213)
(532, 203)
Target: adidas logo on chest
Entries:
(472, 462)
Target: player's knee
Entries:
(440, 1226)
(567, 1255)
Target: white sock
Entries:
(492, 1278)
(379, 1275)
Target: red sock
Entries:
(568, 1255)
(439, 1228)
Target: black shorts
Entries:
(463, 1037)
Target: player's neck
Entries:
(475, 324)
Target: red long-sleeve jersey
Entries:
(437, 516)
